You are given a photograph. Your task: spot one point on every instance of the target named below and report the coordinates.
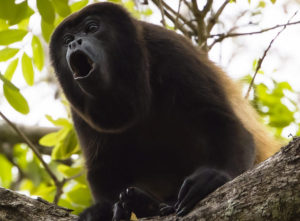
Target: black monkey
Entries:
(160, 126)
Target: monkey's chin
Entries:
(92, 84)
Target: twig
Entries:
(188, 5)
(213, 20)
(168, 9)
(206, 8)
(178, 13)
(221, 37)
(58, 184)
(260, 61)
(181, 28)
(162, 13)
(32, 147)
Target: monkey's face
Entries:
(100, 63)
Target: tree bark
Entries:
(17, 207)
(270, 191)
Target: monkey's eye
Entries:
(91, 27)
(68, 38)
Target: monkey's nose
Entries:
(75, 43)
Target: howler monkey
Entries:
(159, 124)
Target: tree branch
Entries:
(59, 184)
(14, 206)
(34, 133)
(214, 19)
(270, 191)
(222, 36)
(260, 61)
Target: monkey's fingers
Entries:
(198, 186)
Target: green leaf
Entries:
(8, 83)
(261, 4)
(67, 146)
(281, 116)
(6, 173)
(69, 171)
(273, 1)
(38, 53)
(147, 12)
(80, 194)
(47, 30)
(16, 99)
(10, 70)
(20, 12)
(78, 5)
(60, 122)
(46, 192)
(27, 69)
(46, 10)
(49, 140)
(12, 35)
(14, 13)
(3, 25)
(7, 53)
(61, 7)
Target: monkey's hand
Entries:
(135, 200)
(197, 186)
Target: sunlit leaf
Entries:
(46, 192)
(69, 171)
(49, 140)
(7, 53)
(6, 173)
(61, 7)
(14, 13)
(12, 35)
(20, 12)
(3, 24)
(10, 70)
(47, 30)
(147, 12)
(8, 83)
(66, 147)
(23, 24)
(38, 53)
(27, 69)
(62, 122)
(78, 5)
(261, 4)
(80, 194)
(16, 99)
(46, 10)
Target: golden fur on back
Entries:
(265, 144)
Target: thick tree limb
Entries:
(17, 207)
(270, 191)
(34, 133)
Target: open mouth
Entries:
(81, 64)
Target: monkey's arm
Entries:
(229, 152)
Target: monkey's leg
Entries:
(139, 202)
(197, 186)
